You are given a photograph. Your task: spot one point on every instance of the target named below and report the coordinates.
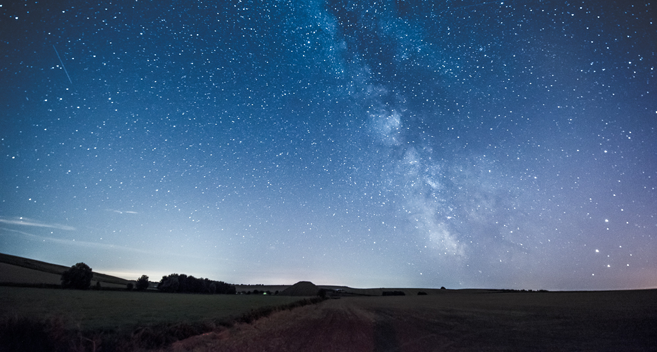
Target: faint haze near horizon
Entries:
(461, 144)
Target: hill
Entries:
(19, 270)
(301, 288)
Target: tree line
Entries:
(79, 277)
(182, 283)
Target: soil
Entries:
(451, 321)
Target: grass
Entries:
(15, 269)
(16, 274)
(474, 320)
(595, 320)
(117, 310)
(70, 320)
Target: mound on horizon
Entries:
(301, 288)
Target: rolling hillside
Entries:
(19, 270)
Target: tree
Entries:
(169, 283)
(78, 277)
(142, 283)
(189, 284)
(182, 283)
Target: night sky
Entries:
(508, 144)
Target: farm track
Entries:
(600, 321)
(333, 325)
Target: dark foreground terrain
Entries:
(42, 319)
(452, 321)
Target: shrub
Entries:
(129, 286)
(393, 293)
(421, 293)
(78, 277)
(142, 283)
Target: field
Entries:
(452, 321)
(119, 310)
(16, 274)
(19, 270)
(40, 319)
(443, 320)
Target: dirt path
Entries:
(330, 326)
(450, 323)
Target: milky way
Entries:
(382, 143)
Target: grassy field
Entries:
(469, 320)
(16, 274)
(119, 310)
(15, 269)
(40, 319)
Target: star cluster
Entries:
(507, 144)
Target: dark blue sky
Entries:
(507, 144)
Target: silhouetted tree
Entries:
(393, 293)
(142, 283)
(206, 286)
(169, 283)
(129, 286)
(194, 285)
(182, 283)
(78, 277)
(189, 284)
(225, 288)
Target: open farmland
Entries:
(118, 310)
(452, 321)
(15, 274)
(19, 270)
